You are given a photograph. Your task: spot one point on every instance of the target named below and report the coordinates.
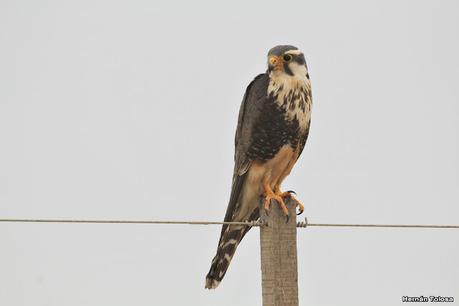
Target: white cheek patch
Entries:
(299, 71)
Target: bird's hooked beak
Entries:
(275, 62)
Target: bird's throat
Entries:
(293, 96)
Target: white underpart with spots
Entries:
(297, 85)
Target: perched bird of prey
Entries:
(272, 129)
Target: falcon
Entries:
(272, 129)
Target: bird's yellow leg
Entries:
(270, 195)
(289, 195)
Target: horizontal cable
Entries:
(301, 224)
(249, 223)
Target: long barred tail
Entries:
(229, 240)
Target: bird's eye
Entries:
(287, 57)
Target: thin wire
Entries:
(384, 225)
(301, 224)
(249, 223)
(305, 223)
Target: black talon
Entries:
(291, 191)
(262, 204)
(287, 217)
(267, 209)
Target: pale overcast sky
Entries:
(127, 110)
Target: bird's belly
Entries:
(273, 171)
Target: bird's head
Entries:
(287, 60)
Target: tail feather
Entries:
(230, 238)
(229, 241)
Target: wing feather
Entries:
(250, 109)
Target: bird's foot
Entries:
(289, 195)
(278, 198)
